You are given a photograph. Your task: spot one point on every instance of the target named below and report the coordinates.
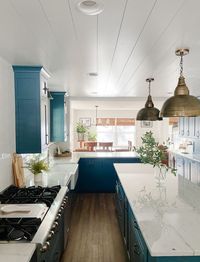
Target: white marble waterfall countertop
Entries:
(77, 155)
(16, 252)
(167, 210)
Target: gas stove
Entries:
(35, 215)
(22, 210)
(15, 195)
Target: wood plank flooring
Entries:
(94, 234)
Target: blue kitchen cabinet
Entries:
(57, 117)
(120, 207)
(98, 174)
(137, 248)
(31, 109)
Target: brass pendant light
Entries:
(149, 112)
(181, 104)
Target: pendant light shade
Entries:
(182, 103)
(149, 112)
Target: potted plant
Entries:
(92, 136)
(153, 153)
(81, 129)
(36, 166)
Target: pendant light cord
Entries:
(149, 87)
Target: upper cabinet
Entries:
(57, 116)
(188, 126)
(31, 109)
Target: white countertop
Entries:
(193, 157)
(77, 155)
(167, 210)
(59, 174)
(16, 252)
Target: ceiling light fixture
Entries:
(93, 74)
(90, 7)
(181, 104)
(149, 112)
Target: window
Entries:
(116, 130)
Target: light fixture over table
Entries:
(181, 104)
(149, 112)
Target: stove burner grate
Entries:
(15, 195)
(18, 228)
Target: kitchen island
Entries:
(165, 211)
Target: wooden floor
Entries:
(94, 234)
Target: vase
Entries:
(37, 178)
(160, 175)
(81, 136)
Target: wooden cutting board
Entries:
(18, 171)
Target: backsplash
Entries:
(6, 177)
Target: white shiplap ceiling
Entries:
(128, 42)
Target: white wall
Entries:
(160, 128)
(7, 125)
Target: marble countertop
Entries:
(16, 252)
(167, 209)
(60, 173)
(77, 155)
(193, 157)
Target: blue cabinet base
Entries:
(98, 175)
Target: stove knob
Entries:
(55, 224)
(45, 247)
(58, 216)
(51, 233)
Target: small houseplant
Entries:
(92, 136)
(153, 153)
(81, 129)
(36, 165)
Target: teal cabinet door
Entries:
(57, 115)
(28, 109)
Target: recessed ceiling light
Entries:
(169, 93)
(94, 93)
(90, 7)
(93, 74)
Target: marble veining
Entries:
(167, 211)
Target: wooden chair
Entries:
(90, 145)
(105, 146)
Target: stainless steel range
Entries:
(35, 215)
